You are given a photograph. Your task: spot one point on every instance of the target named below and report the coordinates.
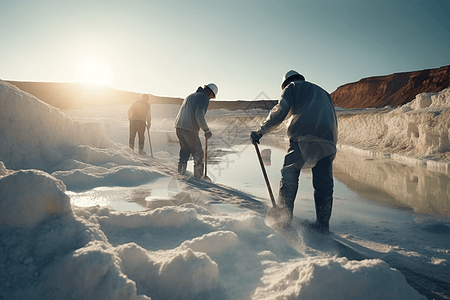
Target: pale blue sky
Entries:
(169, 48)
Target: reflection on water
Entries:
(165, 191)
(266, 155)
(384, 180)
(117, 198)
(240, 169)
(122, 198)
(378, 179)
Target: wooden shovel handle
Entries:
(206, 156)
(265, 175)
(149, 141)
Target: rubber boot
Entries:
(324, 207)
(198, 170)
(286, 198)
(182, 161)
(182, 168)
(199, 166)
(141, 150)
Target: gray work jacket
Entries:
(312, 119)
(191, 115)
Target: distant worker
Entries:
(312, 132)
(190, 118)
(140, 117)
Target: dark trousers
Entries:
(139, 128)
(190, 144)
(323, 182)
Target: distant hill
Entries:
(74, 96)
(372, 92)
(395, 89)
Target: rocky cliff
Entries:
(394, 90)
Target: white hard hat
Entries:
(288, 75)
(213, 88)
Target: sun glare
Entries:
(94, 71)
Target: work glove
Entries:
(208, 134)
(255, 137)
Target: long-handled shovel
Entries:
(277, 215)
(149, 141)
(205, 176)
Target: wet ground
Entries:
(362, 186)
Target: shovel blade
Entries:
(206, 178)
(278, 217)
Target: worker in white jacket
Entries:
(140, 117)
(312, 132)
(190, 118)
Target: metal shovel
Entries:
(277, 215)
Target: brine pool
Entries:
(364, 187)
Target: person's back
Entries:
(312, 132)
(191, 115)
(312, 112)
(139, 110)
(190, 118)
(139, 115)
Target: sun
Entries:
(94, 71)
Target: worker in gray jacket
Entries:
(140, 117)
(190, 118)
(312, 132)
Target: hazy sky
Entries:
(169, 48)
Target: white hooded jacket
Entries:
(313, 123)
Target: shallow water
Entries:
(364, 188)
(359, 181)
(123, 198)
(398, 185)
(242, 171)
